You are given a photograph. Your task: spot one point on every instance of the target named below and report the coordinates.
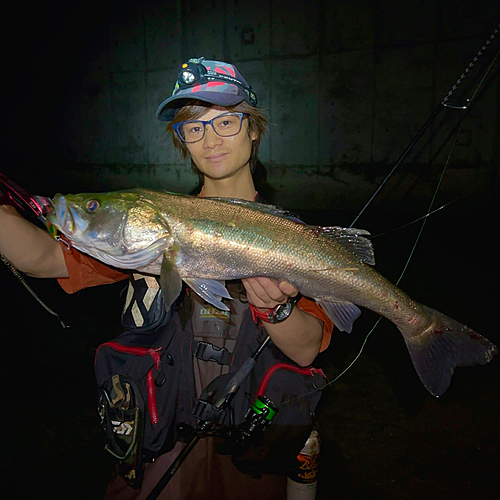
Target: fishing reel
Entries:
(257, 419)
(237, 439)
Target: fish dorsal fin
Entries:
(351, 239)
(261, 207)
(342, 313)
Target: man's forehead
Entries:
(207, 112)
(214, 111)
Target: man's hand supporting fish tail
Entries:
(299, 336)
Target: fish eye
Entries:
(92, 206)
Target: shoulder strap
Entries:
(144, 307)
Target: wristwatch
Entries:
(280, 312)
(275, 315)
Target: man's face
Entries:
(221, 157)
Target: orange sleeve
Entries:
(85, 271)
(311, 307)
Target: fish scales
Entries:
(274, 247)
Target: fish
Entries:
(206, 241)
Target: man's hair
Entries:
(195, 109)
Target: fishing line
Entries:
(416, 220)
(424, 218)
(18, 275)
(429, 210)
(447, 162)
(443, 104)
(431, 204)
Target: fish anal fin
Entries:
(342, 313)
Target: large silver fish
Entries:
(204, 241)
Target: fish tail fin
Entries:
(440, 349)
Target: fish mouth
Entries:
(65, 219)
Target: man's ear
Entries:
(253, 135)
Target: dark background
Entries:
(384, 436)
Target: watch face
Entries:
(282, 312)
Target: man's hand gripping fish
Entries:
(203, 241)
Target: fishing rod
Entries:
(457, 134)
(444, 103)
(429, 210)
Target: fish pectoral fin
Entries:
(170, 283)
(212, 291)
(342, 313)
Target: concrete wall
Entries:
(346, 84)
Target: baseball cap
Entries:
(215, 82)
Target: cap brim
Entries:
(168, 109)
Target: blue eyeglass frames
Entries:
(225, 125)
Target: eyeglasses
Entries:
(225, 125)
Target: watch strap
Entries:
(266, 315)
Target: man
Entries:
(214, 120)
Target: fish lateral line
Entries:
(335, 269)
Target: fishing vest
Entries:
(148, 390)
